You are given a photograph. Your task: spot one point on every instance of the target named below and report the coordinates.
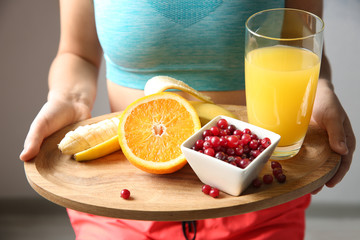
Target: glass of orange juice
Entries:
(283, 49)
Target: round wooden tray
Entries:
(94, 186)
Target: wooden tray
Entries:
(94, 186)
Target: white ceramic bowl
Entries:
(222, 175)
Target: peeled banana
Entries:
(85, 137)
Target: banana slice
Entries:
(161, 83)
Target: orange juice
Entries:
(281, 83)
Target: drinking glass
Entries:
(283, 49)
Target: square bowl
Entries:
(222, 175)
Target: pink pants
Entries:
(285, 221)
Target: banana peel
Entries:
(208, 111)
(99, 150)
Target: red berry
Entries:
(245, 138)
(223, 142)
(125, 194)
(206, 133)
(244, 163)
(255, 153)
(215, 141)
(224, 132)
(230, 151)
(257, 183)
(222, 123)
(233, 141)
(277, 171)
(206, 189)
(199, 144)
(214, 192)
(207, 144)
(231, 129)
(238, 133)
(265, 142)
(220, 155)
(275, 165)
(215, 131)
(253, 144)
(247, 131)
(239, 150)
(209, 152)
(268, 179)
(281, 178)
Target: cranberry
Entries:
(254, 136)
(231, 129)
(277, 171)
(257, 183)
(233, 141)
(281, 178)
(245, 138)
(209, 152)
(253, 144)
(224, 132)
(239, 150)
(244, 163)
(230, 151)
(238, 133)
(214, 192)
(215, 131)
(206, 189)
(215, 141)
(199, 144)
(265, 142)
(206, 133)
(223, 141)
(247, 131)
(220, 155)
(125, 194)
(222, 123)
(275, 165)
(255, 153)
(268, 179)
(207, 144)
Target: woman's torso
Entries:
(198, 42)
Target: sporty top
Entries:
(200, 42)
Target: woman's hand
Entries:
(330, 115)
(54, 115)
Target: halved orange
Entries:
(152, 129)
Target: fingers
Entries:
(45, 123)
(346, 159)
(37, 133)
(335, 127)
(32, 144)
(317, 190)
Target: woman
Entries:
(199, 42)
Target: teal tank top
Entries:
(200, 42)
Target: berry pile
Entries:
(227, 143)
(277, 172)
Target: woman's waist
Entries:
(120, 96)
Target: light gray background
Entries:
(29, 32)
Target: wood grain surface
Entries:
(94, 186)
